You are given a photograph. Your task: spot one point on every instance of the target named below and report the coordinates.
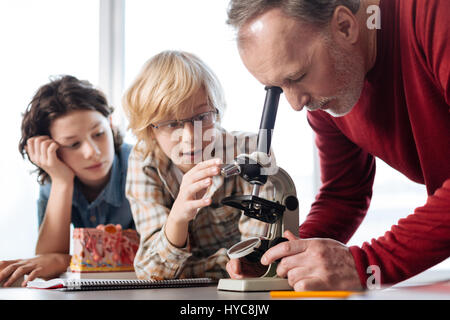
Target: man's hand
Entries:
(314, 264)
(44, 266)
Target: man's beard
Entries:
(349, 74)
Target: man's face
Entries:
(312, 69)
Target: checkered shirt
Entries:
(152, 187)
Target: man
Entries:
(369, 93)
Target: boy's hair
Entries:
(63, 94)
(166, 81)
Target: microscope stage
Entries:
(254, 284)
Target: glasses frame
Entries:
(165, 124)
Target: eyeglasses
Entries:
(207, 119)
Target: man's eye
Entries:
(297, 79)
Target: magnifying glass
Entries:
(244, 248)
(252, 248)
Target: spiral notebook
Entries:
(110, 284)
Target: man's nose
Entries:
(297, 100)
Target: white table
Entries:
(398, 291)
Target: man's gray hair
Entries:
(316, 12)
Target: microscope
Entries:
(281, 213)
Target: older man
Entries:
(382, 92)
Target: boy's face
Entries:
(184, 143)
(86, 145)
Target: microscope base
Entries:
(254, 284)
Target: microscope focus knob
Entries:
(291, 203)
(230, 170)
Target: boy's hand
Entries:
(42, 152)
(44, 266)
(192, 189)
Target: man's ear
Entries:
(344, 26)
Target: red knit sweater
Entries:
(403, 118)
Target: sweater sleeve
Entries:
(415, 244)
(347, 174)
(422, 239)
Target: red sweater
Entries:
(403, 118)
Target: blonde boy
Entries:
(174, 187)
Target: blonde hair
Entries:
(166, 81)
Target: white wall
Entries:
(38, 39)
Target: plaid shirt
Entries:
(152, 187)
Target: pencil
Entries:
(311, 294)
